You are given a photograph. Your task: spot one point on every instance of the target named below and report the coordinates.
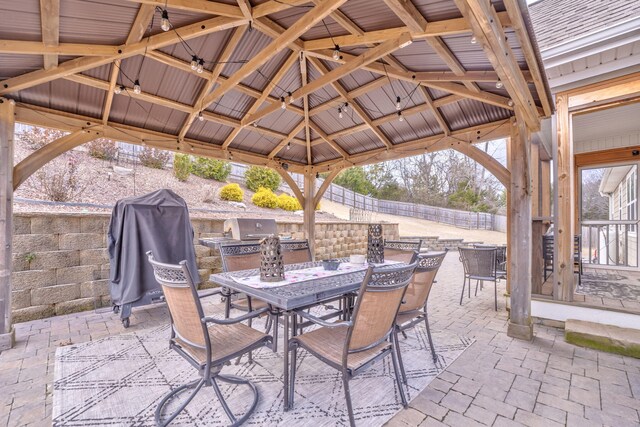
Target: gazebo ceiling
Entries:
(63, 60)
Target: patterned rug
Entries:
(609, 284)
(119, 380)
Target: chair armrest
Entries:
(209, 292)
(321, 322)
(249, 315)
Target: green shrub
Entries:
(265, 198)
(103, 149)
(288, 203)
(182, 166)
(211, 169)
(154, 158)
(232, 192)
(257, 176)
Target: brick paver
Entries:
(498, 381)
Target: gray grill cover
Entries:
(157, 222)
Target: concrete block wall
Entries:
(61, 264)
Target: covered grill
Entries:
(157, 222)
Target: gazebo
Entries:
(306, 86)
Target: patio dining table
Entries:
(305, 285)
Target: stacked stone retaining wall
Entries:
(61, 264)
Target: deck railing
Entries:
(612, 243)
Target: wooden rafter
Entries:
(222, 9)
(332, 143)
(215, 73)
(276, 46)
(84, 63)
(292, 184)
(139, 27)
(50, 23)
(287, 140)
(482, 18)
(327, 181)
(305, 103)
(245, 8)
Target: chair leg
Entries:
(347, 395)
(396, 346)
(232, 379)
(476, 293)
(395, 352)
(292, 377)
(462, 294)
(433, 350)
(198, 385)
(469, 288)
(495, 293)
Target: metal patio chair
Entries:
(501, 258)
(547, 254)
(399, 250)
(206, 343)
(352, 346)
(413, 309)
(479, 265)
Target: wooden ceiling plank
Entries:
(50, 25)
(280, 43)
(224, 56)
(136, 33)
(84, 63)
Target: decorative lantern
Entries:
(375, 247)
(271, 265)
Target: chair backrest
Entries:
(240, 256)
(295, 252)
(478, 262)
(420, 286)
(183, 302)
(403, 251)
(377, 306)
(547, 247)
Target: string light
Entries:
(291, 98)
(340, 112)
(200, 116)
(283, 105)
(255, 124)
(118, 89)
(165, 25)
(136, 87)
(194, 62)
(336, 53)
(346, 106)
(474, 40)
(289, 145)
(398, 106)
(317, 175)
(200, 67)
(499, 84)
(400, 116)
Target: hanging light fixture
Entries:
(499, 84)
(136, 87)
(336, 53)
(398, 106)
(165, 24)
(200, 116)
(291, 98)
(118, 89)
(194, 62)
(283, 104)
(345, 107)
(289, 145)
(255, 124)
(317, 175)
(510, 103)
(340, 113)
(400, 116)
(200, 67)
(474, 40)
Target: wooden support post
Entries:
(507, 188)
(535, 180)
(310, 212)
(563, 218)
(545, 188)
(7, 333)
(520, 325)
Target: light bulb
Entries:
(499, 84)
(336, 53)
(194, 62)
(136, 87)
(255, 124)
(510, 103)
(291, 98)
(284, 104)
(288, 146)
(200, 116)
(340, 112)
(345, 107)
(200, 67)
(400, 117)
(165, 25)
(398, 106)
(474, 40)
(117, 90)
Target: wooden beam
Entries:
(292, 184)
(280, 43)
(545, 188)
(137, 31)
(156, 41)
(464, 76)
(309, 207)
(50, 24)
(286, 140)
(305, 103)
(605, 93)
(520, 325)
(41, 48)
(409, 14)
(44, 155)
(362, 90)
(563, 218)
(483, 20)
(224, 56)
(325, 184)
(245, 8)
(487, 161)
(202, 6)
(444, 126)
(330, 141)
(535, 180)
(7, 333)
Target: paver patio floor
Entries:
(498, 381)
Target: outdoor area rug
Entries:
(119, 380)
(610, 284)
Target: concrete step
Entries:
(609, 338)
